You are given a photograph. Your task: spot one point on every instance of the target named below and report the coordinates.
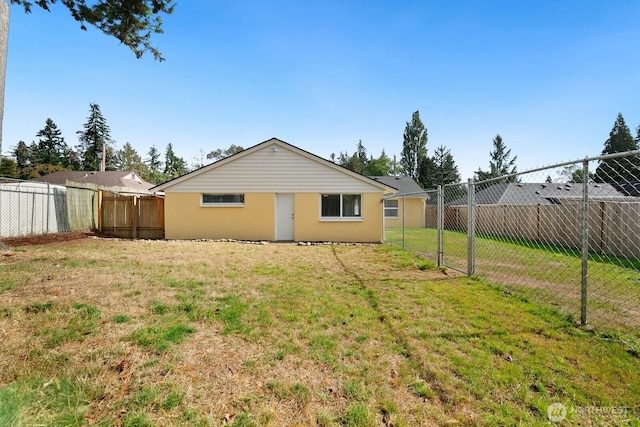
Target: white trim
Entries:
(221, 204)
(341, 217)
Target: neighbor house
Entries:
(117, 181)
(277, 192)
(536, 194)
(405, 206)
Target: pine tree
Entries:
(174, 166)
(445, 169)
(153, 173)
(154, 163)
(128, 159)
(22, 154)
(132, 22)
(357, 162)
(621, 169)
(8, 167)
(414, 146)
(220, 154)
(378, 167)
(95, 136)
(439, 169)
(51, 148)
(500, 163)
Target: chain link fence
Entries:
(548, 234)
(34, 208)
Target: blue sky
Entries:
(549, 76)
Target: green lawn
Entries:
(545, 272)
(135, 333)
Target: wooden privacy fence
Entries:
(614, 227)
(131, 216)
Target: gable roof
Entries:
(275, 155)
(405, 186)
(123, 179)
(540, 194)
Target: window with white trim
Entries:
(391, 208)
(341, 206)
(217, 199)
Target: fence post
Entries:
(403, 222)
(585, 242)
(48, 207)
(440, 225)
(471, 230)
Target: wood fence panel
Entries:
(132, 217)
(151, 218)
(489, 220)
(430, 216)
(614, 227)
(621, 230)
(521, 222)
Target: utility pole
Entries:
(4, 38)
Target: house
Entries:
(274, 191)
(405, 206)
(527, 194)
(116, 181)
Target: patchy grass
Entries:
(545, 272)
(108, 332)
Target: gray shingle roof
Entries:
(540, 194)
(405, 185)
(123, 179)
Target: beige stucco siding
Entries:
(186, 219)
(413, 214)
(310, 227)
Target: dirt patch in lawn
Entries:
(11, 242)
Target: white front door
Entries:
(284, 217)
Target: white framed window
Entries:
(341, 206)
(220, 199)
(391, 208)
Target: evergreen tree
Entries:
(414, 146)
(500, 163)
(174, 166)
(154, 163)
(378, 167)
(220, 154)
(153, 173)
(357, 162)
(95, 136)
(426, 173)
(22, 154)
(445, 170)
(51, 148)
(128, 159)
(132, 22)
(8, 167)
(620, 169)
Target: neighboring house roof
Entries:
(540, 194)
(269, 166)
(128, 180)
(405, 185)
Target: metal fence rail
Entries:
(549, 234)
